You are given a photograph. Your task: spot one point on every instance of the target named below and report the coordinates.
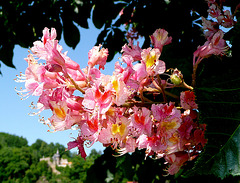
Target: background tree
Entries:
(12, 140)
(78, 170)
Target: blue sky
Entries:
(14, 112)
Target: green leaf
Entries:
(226, 162)
(110, 176)
(71, 34)
(105, 11)
(81, 12)
(6, 54)
(218, 93)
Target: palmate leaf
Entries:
(218, 94)
(226, 162)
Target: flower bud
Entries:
(176, 77)
(53, 68)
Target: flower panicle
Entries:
(128, 110)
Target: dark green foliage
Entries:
(79, 168)
(131, 167)
(108, 168)
(22, 22)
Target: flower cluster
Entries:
(120, 110)
(215, 44)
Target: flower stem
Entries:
(74, 83)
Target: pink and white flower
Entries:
(132, 50)
(97, 100)
(160, 38)
(141, 120)
(97, 56)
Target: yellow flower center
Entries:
(118, 129)
(169, 125)
(150, 59)
(115, 84)
(60, 112)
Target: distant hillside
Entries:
(8, 140)
(19, 162)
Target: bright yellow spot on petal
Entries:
(174, 139)
(122, 129)
(114, 129)
(60, 112)
(150, 59)
(118, 129)
(159, 37)
(169, 125)
(115, 84)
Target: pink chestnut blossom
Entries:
(154, 66)
(165, 112)
(128, 147)
(160, 38)
(38, 48)
(61, 118)
(187, 99)
(48, 49)
(90, 128)
(140, 72)
(132, 50)
(127, 74)
(109, 109)
(70, 64)
(125, 77)
(217, 46)
(128, 59)
(37, 78)
(97, 56)
(154, 143)
(74, 103)
(48, 36)
(54, 55)
(142, 121)
(97, 100)
(176, 161)
(115, 133)
(79, 142)
(120, 89)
